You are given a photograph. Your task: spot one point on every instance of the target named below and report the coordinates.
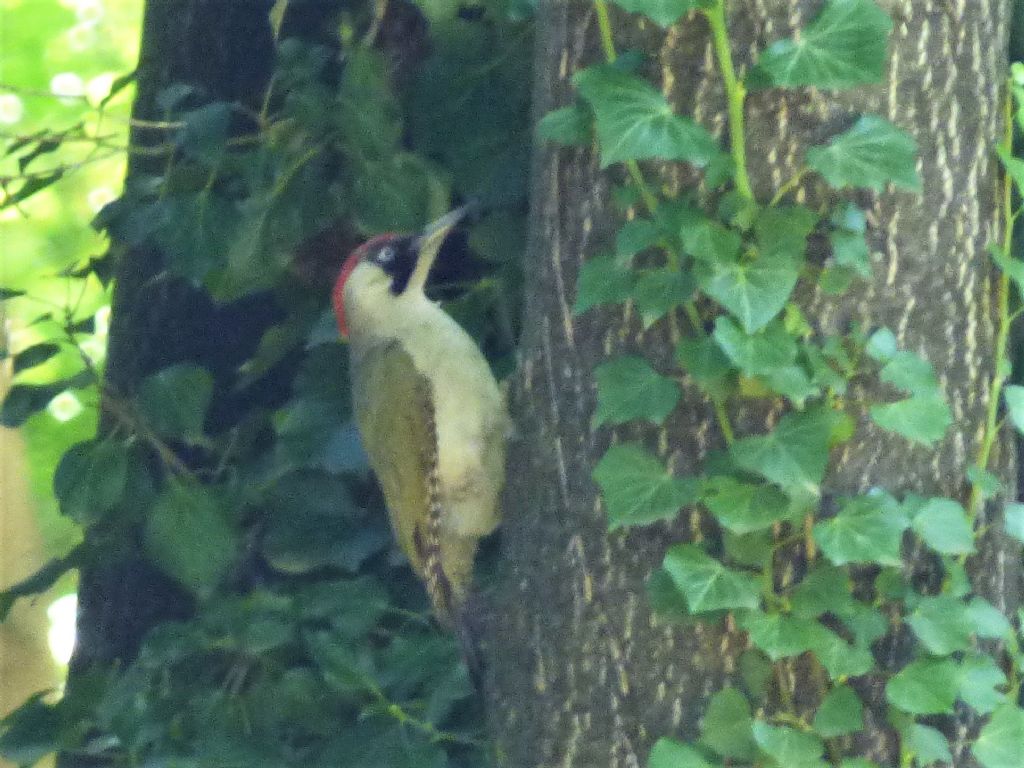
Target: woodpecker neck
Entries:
(374, 313)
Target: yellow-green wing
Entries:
(395, 413)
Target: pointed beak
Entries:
(428, 244)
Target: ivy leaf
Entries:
(1013, 520)
(91, 479)
(927, 745)
(710, 241)
(779, 635)
(602, 280)
(882, 345)
(944, 526)
(794, 455)
(32, 356)
(189, 536)
(910, 373)
(764, 352)
(921, 419)
(707, 584)
(727, 727)
(1015, 405)
(637, 488)
(669, 753)
(787, 746)
(925, 687)
(868, 529)
(753, 291)
(825, 589)
(940, 623)
(998, 744)
(634, 236)
(658, 291)
(173, 401)
(634, 121)
(847, 238)
(840, 712)
(844, 46)
(744, 507)
(629, 388)
(1014, 167)
(569, 125)
(664, 13)
(705, 362)
(838, 657)
(871, 154)
(782, 231)
(979, 678)
(986, 620)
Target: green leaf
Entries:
(312, 525)
(658, 291)
(707, 584)
(782, 231)
(1013, 520)
(190, 537)
(754, 291)
(31, 731)
(998, 744)
(794, 455)
(840, 659)
(635, 122)
(704, 361)
(196, 232)
(669, 753)
(873, 153)
(569, 126)
(727, 727)
(868, 529)
(602, 280)
(921, 419)
(940, 623)
(629, 388)
(986, 620)
(173, 401)
(925, 687)
(90, 480)
(664, 13)
(1014, 167)
(779, 635)
(710, 241)
(944, 526)
(23, 400)
(910, 373)
(882, 345)
(843, 47)
(793, 383)
(1012, 267)
(840, 712)
(987, 483)
(927, 745)
(825, 589)
(979, 678)
(744, 507)
(205, 132)
(634, 236)
(787, 746)
(1015, 405)
(764, 352)
(32, 356)
(847, 238)
(637, 488)
(857, 762)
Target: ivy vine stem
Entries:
(1005, 321)
(735, 94)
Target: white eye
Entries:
(386, 254)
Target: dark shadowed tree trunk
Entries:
(583, 675)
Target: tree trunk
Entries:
(582, 673)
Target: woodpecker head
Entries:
(387, 270)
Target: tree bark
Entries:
(582, 673)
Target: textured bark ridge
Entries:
(582, 675)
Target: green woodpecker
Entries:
(430, 413)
